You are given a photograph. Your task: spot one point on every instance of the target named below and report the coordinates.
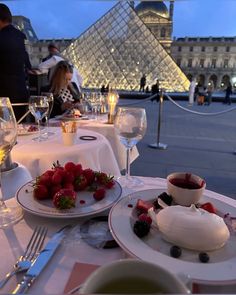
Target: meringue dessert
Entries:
(192, 228)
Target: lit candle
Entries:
(112, 100)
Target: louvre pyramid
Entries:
(118, 49)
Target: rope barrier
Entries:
(139, 102)
(199, 113)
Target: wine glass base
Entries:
(10, 216)
(130, 182)
(40, 138)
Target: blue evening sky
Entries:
(69, 18)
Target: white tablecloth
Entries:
(53, 279)
(39, 156)
(108, 131)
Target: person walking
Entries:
(191, 92)
(142, 83)
(210, 89)
(14, 62)
(228, 92)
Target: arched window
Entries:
(163, 32)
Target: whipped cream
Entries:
(192, 228)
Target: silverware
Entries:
(41, 261)
(31, 252)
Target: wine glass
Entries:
(130, 125)
(8, 134)
(50, 98)
(39, 107)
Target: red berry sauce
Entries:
(82, 202)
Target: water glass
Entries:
(130, 125)
(50, 98)
(39, 107)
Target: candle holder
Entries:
(112, 100)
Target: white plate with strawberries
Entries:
(218, 268)
(27, 129)
(69, 192)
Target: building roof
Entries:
(156, 7)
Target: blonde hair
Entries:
(58, 80)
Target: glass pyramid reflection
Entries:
(118, 49)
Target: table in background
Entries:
(37, 157)
(108, 131)
(53, 279)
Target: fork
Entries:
(31, 252)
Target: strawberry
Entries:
(89, 174)
(208, 207)
(57, 177)
(78, 170)
(80, 183)
(70, 167)
(99, 194)
(49, 173)
(143, 206)
(145, 217)
(68, 185)
(64, 199)
(44, 179)
(68, 177)
(104, 179)
(54, 189)
(41, 192)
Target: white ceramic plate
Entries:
(220, 269)
(85, 203)
(22, 132)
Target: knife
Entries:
(41, 261)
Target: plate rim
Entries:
(197, 280)
(66, 216)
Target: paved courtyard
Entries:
(203, 145)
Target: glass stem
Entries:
(39, 127)
(127, 164)
(2, 204)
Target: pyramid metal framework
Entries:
(118, 49)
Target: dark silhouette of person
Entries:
(142, 83)
(156, 90)
(228, 92)
(14, 62)
(52, 50)
(103, 89)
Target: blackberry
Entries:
(165, 198)
(203, 257)
(175, 251)
(141, 228)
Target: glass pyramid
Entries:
(118, 49)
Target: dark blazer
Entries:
(13, 63)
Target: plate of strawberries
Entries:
(69, 191)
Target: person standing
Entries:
(228, 92)
(142, 83)
(210, 89)
(191, 92)
(14, 62)
(156, 90)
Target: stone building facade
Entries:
(208, 59)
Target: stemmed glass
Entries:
(130, 125)
(8, 134)
(50, 98)
(94, 101)
(39, 106)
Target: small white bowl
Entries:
(185, 196)
(133, 269)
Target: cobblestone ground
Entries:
(203, 145)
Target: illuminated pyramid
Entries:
(118, 49)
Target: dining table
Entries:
(75, 249)
(100, 125)
(91, 150)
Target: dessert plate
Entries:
(220, 269)
(85, 203)
(24, 130)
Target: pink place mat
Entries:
(78, 275)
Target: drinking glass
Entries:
(50, 98)
(130, 125)
(8, 133)
(39, 107)
(95, 103)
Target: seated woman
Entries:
(66, 93)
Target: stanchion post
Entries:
(158, 144)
